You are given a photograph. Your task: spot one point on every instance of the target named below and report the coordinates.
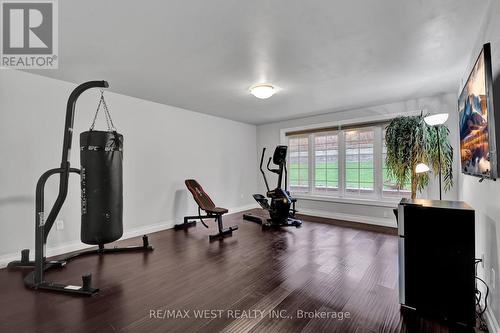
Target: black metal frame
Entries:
(36, 279)
(270, 223)
(223, 232)
(277, 219)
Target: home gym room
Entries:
(264, 166)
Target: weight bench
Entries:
(212, 212)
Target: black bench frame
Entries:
(206, 204)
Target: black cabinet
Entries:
(436, 259)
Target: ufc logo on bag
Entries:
(29, 34)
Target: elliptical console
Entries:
(282, 207)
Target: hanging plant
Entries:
(410, 141)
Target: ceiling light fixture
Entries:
(262, 90)
(436, 119)
(421, 168)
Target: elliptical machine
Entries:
(282, 208)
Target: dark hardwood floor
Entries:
(319, 267)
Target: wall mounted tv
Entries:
(477, 120)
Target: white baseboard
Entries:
(159, 226)
(243, 208)
(76, 245)
(384, 222)
(491, 321)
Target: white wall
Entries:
(485, 197)
(163, 146)
(268, 135)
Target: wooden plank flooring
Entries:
(317, 267)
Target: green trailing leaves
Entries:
(410, 141)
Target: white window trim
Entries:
(378, 163)
(308, 137)
(310, 152)
(341, 162)
(386, 202)
(351, 121)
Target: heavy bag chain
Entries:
(107, 115)
(109, 121)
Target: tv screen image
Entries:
(474, 120)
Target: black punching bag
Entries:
(101, 156)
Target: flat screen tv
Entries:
(477, 120)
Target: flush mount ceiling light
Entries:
(436, 119)
(262, 90)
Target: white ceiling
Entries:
(323, 56)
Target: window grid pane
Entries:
(359, 173)
(326, 171)
(298, 148)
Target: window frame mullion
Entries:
(311, 162)
(378, 167)
(341, 163)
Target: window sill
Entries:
(389, 203)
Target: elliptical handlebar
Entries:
(269, 162)
(276, 171)
(262, 171)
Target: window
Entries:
(298, 174)
(359, 164)
(342, 163)
(326, 163)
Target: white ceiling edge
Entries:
(109, 90)
(324, 56)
